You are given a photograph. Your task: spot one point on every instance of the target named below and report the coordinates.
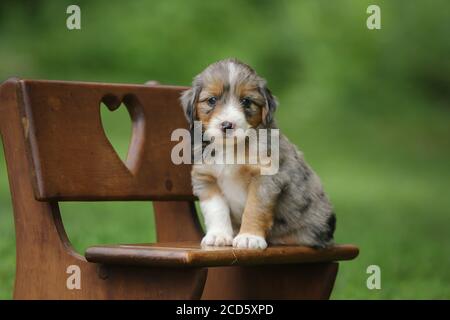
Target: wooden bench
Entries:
(56, 150)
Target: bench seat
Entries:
(190, 254)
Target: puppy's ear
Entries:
(270, 105)
(188, 101)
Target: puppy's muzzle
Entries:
(227, 125)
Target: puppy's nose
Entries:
(227, 125)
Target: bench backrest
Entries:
(71, 156)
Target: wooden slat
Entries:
(311, 281)
(72, 157)
(184, 254)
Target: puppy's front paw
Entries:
(218, 239)
(249, 241)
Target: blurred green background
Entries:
(370, 109)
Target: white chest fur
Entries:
(233, 186)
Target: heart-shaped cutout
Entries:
(123, 124)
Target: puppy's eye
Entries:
(246, 102)
(212, 101)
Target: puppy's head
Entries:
(228, 95)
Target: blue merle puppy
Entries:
(241, 206)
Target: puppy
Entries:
(241, 206)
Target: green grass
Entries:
(370, 110)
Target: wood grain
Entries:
(72, 157)
(190, 254)
(311, 281)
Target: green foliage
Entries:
(370, 109)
